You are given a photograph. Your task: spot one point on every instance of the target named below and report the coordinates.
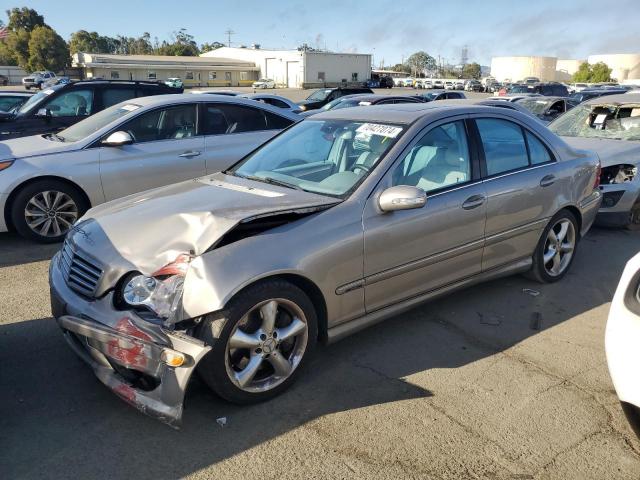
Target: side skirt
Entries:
(345, 329)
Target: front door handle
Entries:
(473, 202)
(189, 154)
(547, 180)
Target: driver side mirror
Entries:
(117, 139)
(402, 197)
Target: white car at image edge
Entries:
(622, 342)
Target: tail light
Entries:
(596, 184)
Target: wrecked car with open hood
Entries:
(610, 126)
(340, 221)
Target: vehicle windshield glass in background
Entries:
(33, 101)
(519, 89)
(620, 122)
(319, 95)
(431, 96)
(332, 104)
(95, 122)
(329, 157)
(346, 103)
(533, 105)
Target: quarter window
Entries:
(76, 103)
(163, 124)
(439, 160)
(537, 151)
(504, 145)
(226, 118)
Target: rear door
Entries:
(166, 149)
(231, 131)
(524, 185)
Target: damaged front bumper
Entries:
(618, 202)
(144, 364)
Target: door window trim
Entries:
(523, 129)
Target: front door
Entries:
(165, 150)
(411, 252)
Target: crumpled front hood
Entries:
(150, 229)
(31, 146)
(611, 152)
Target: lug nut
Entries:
(263, 336)
(275, 334)
(258, 350)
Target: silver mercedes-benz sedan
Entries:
(342, 220)
(48, 181)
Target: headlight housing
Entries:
(161, 292)
(4, 164)
(618, 174)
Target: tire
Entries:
(543, 272)
(69, 201)
(245, 314)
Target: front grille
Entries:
(80, 273)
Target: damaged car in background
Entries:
(610, 126)
(331, 226)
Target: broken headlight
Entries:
(618, 174)
(161, 292)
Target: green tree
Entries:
(24, 19)
(399, 67)
(598, 72)
(472, 70)
(17, 43)
(90, 42)
(420, 62)
(207, 47)
(47, 50)
(182, 44)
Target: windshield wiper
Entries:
(269, 180)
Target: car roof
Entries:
(373, 97)
(618, 99)
(400, 113)
(10, 93)
(543, 98)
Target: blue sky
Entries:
(388, 29)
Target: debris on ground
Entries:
(531, 291)
(222, 421)
(489, 320)
(536, 321)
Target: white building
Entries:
(625, 67)
(566, 68)
(517, 68)
(294, 68)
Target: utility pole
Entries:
(228, 33)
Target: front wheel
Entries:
(556, 248)
(45, 210)
(258, 350)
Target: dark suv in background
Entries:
(548, 89)
(321, 97)
(60, 106)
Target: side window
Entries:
(111, 96)
(163, 124)
(440, 159)
(276, 122)
(227, 118)
(537, 151)
(503, 143)
(76, 103)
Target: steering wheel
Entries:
(361, 167)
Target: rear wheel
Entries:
(257, 351)
(44, 211)
(556, 248)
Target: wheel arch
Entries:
(576, 213)
(11, 198)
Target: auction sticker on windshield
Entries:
(378, 129)
(47, 92)
(130, 107)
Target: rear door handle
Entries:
(473, 202)
(547, 180)
(190, 154)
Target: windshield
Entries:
(332, 104)
(431, 96)
(537, 107)
(95, 122)
(329, 157)
(619, 122)
(34, 101)
(519, 89)
(319, 95)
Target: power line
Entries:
(228, 33)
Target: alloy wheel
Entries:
(51, 213)
(266, 345)
(559, 247)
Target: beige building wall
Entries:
(566, 68)
(625, 66)
(518, 68)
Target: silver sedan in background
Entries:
(48, 181)
(344, 219)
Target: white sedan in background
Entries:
(622, 342)
(264, 83)
(48, 181)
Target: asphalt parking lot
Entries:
(490, 382)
